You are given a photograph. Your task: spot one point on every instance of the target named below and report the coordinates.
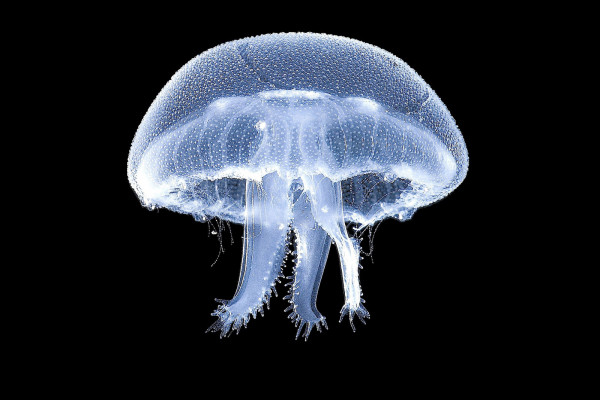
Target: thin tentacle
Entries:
(326, 199)
(265, 239)
(312, 249)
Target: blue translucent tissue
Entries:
(294, 135)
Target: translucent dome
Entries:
(297, 103)
(293, 135)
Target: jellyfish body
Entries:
(294, 135)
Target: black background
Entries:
(436, 286)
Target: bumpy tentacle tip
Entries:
(228, 321)
(306, 325)
(360, 311)
(220, 326)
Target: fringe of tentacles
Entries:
(361, 312)
(296, 319)
(227, 322)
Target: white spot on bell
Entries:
(261, 125)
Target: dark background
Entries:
(436, 286)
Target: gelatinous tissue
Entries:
(295, 135)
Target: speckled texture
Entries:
(293, 135)
(374, 119)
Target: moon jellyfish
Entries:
(295, 135)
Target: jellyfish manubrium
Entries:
(294, 135)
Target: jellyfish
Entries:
(295, 136)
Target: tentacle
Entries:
(327, 209)
(266, 229)
(312, 249)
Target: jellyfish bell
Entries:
(373, 152)
(294, 135)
